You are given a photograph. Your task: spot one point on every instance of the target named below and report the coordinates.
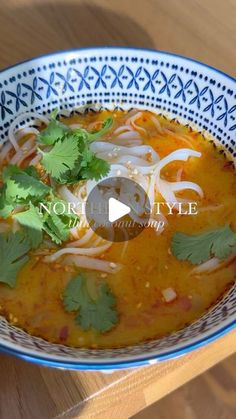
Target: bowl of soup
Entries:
(117, 207)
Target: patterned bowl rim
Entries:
(93, 366)
(40, 360)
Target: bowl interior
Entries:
(180, 88)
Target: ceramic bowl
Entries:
(123, 77)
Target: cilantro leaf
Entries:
(106, 126)
(54, 131)
(199, 248)
(13, 256)
(71, 160)
(96, 169)
(34, 237)
(23, 184)
(6, 207)
(57, 225)
(30, 218)
(56, 229)
(61, 157)
(99, 313)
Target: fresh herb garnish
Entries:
(13, 256)
(99, 313)
(35, 237)
(20, 187)
(71, 159)
(58, 224)
(61, 157)
(30, 218)
(53, 132)
(199, 248)
(68, 160)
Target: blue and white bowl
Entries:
(123, 77)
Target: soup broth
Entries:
(155, 293)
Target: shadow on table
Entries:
(42, 27)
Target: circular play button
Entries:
(117, 209)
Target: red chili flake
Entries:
(185, 303)
(228, 165)
(64, 332)
(157, 304)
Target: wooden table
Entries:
(203, 29)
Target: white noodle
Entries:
(83, 240)
(131, 121)
(92, 264)
(213, 264)
(91, 251)
(17, 121)
(26, 150)
(180, 186)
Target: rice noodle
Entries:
(157, 124)
(86, 262)
(91, 251)
(121, 129)
(180, 186)
(35, 160)
(68, 196)
(179, 174)
(213, 264)
(83, 240)
(131, 121)
(25, 151)
(17, 121)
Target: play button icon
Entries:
(117, 209)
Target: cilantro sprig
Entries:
(70, 158)
(62, 157)
(99, 314)
(67, 158)
(200, 247)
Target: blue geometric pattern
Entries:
(169, 84)
(125, 77)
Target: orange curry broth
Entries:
(36, 306)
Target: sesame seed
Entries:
(147, 285)
(113, 265)
(139, 305)
(104, 275)
(118, 172)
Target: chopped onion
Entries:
(169, 295)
